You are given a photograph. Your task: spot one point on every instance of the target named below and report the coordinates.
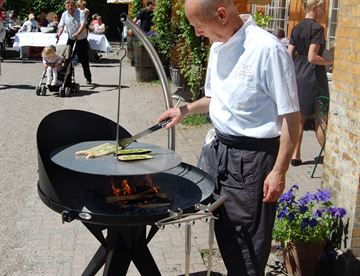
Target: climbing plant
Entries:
(194, 52)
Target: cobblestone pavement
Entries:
(33, 240)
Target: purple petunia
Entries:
(303, 209)
(313, 222)
(304, 223)
(283, 213)
(323, 195)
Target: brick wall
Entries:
(341, 163)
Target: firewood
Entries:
(113, 199)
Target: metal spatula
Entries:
(124, 142)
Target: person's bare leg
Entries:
(320, 128)
(297, 150)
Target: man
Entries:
(145, 16)
(250, 93)
(75, 23)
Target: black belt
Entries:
(244, 142)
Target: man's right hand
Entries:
(172, 113)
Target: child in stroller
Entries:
(52, 63)
(59, 71)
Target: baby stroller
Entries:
(66, 75)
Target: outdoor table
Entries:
(97, 42)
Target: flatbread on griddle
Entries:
(135, 157)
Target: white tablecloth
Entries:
(97, 42)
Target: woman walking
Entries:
(306, 46)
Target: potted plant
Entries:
(144, 68)
(303, 225)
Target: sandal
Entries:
(296, 162)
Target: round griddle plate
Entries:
(164, 159)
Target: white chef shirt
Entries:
(251, 81)
(73, 23)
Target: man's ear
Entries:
(222, 15)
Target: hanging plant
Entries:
(194, 52)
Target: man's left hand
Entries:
(273, 186)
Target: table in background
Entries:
(97, 42)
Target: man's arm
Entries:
(179, 113)
(275, 182)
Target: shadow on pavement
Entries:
(17, 86)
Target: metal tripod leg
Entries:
(211, 243)
(187, 248)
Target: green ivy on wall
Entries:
(163, 27)
(194, 52)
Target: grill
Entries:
(80, 194)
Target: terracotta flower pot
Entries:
(301, 258)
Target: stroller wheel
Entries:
(43, 90)
(38, 90)
(67, 91)
(62, 92)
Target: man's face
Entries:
(211, 29)
(70, 6)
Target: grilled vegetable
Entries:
(133, 151)
(100, 150)
(134, 157)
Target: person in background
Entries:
(81, 5)
(280, 34)
(93, 22)
(306, 46)
(54, 23)
(43, 22)
(52, 63)
(251, 96)
(30, 25)
(99, 27)
(145, 16)
(75, 23)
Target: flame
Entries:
(126, 187)
(115, 191)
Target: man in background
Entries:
(75, 23)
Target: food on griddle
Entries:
(107, 148)
(134, 157)
(133, 151)
(100, 150)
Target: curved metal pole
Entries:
(125, 19)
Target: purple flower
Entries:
(340, 212)
(318, 213)
(323, 195)
(303, 209)
(294, 187)
(286, 197)
(304, 223)
(291, 216)
(313, 222)
(283, 213)
(307, 198)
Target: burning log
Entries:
(113, 199)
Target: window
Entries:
(278, 10)
(333, 21)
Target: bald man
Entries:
(251, 95)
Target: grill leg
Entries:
(123, 245)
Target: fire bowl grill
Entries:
(82, 196)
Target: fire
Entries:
(142, 191)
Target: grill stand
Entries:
(205, 211)
(121, 246)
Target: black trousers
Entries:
(239, 166)
(81, 50)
